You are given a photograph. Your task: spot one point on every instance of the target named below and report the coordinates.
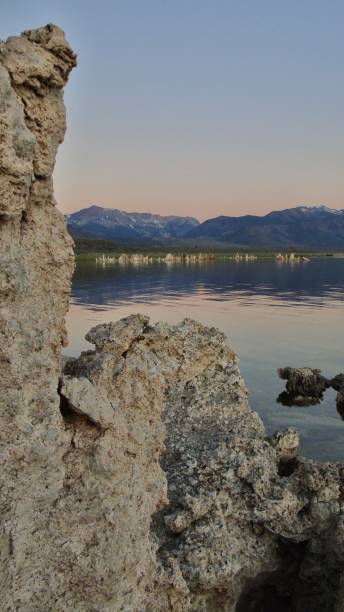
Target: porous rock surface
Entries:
(305, 386)
(139, 479)
(36, 265)
(248, 525)
(77, 492)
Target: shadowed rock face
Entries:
(337, 383)
(140, 479)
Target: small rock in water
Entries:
(337, 383)
(305, 386)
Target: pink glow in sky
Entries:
(198, 108)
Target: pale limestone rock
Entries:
(92, 402)
(17, 146)
(36, 266)
(242, 519)
(77, 490)
(117, 336)
(286, 443)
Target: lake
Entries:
(274, 314)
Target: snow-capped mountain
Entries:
(114, 224)
(315, 227)
(301, 227)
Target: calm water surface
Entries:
(273, 314)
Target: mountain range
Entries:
(314, 227)
(113, 224)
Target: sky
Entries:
(198, 107)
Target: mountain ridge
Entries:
(113, 223)
(302, 226)
(298, 227)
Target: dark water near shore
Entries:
(273, 314)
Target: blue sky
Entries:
(198, 107)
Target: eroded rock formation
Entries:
(248, 525)
(36, 266)
(139, 479)
(305, 386)
(77, 490)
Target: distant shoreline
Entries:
(92, 250)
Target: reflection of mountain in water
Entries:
(315, 282)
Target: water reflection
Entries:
(288, 399)
(301, 284)
(273, 315)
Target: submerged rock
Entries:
(305, 386)
(307, 382)
(337, 383)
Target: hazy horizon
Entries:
(198, 109)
